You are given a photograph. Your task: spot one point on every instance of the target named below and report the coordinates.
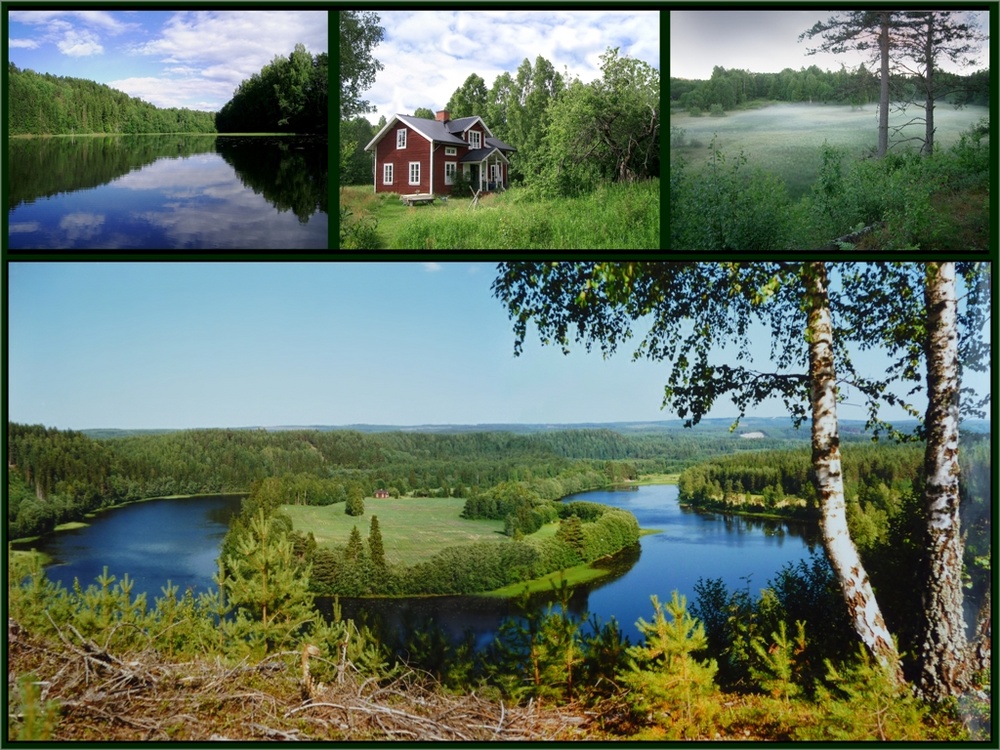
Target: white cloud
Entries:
(81, 225)
(432, 267)
(168, 91)
(217, 50)
(80, 44)
(24, 43)
(424, 70)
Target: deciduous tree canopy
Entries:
(289, 95)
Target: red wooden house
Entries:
(416, 155)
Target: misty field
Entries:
(787, 139)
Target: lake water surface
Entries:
(170, 539)
(179, 539)
(165, 192)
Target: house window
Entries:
(449, 172)
(386, 174)
(414, 172)
(401, 138)
(475, 139)
(450, 150)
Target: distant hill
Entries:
(772, 427)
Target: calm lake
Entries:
(171, 539)
(165, 192)
(178, 539)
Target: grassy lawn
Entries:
(647, 479)
(614, 216)
(413, 529)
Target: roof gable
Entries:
(433, 130)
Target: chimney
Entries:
(442, 116)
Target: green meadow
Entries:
(413, 529)
(614, 216)
(787, 139)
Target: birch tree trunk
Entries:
(843, 555)
(943, 649)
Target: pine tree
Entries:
(665, 678)
(265, 586)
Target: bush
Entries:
(727, 206)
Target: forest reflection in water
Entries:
(167, 192)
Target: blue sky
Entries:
(762, 41)
(183, 345)
(192, 58)
(424, 69)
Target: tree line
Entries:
(60, 105)
(730, 89)
(288, 95)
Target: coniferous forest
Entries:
(44, 104)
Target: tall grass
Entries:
(615, 216)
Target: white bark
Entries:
(843, 555)
(943, 648)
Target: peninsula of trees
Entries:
(44, 104)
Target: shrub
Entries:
(666, 682)
(862, 701)
(728, 206)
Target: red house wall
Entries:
(417, 149)
(439, 159)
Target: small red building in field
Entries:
(381, 494)
(416, 155)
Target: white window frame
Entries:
(401, 138)
(450, 151)
(387, 173)
(475, 139)
(450, 168)
(415, 170)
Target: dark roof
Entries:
(497, 143)
(462, 124)
(433, 129)
(479, 154)
(443, 132)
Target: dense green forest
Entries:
(57, 476)
(288, 95)
(57, 105)
(733, 88)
